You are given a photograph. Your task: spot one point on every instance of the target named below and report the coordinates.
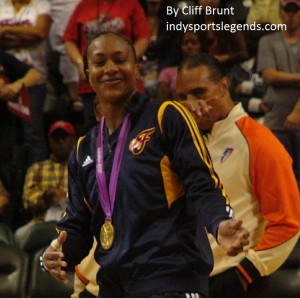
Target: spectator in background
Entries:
(163, 49)
(246, 84)
(279, 63)
(263, 12)
(15, 77)
(167, 53)
(228, 47)
(46, 182)
(149, 61)
(61, 10)
(24, 27)
(256, 172)
(189, 45)
(89, 19)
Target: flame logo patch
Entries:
(137, 145)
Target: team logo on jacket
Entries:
(226, 154)
(137, 145)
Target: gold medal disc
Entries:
(107, 234)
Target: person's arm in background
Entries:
(75, 56)
(141, 32)
(292, 121)
(276, 77)
(266, 65)
(19, 75)
(72, 38)
(141, 46)
(10, 90)
(24, 35)
(243, 88)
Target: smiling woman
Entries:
(126, 170)
(112, 71)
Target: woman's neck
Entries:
(114, 116)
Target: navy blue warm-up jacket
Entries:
(167, 196)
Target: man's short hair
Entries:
(215, 68)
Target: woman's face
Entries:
(190, 44)
(112, 69)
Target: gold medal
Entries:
(107, 234)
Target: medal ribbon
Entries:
(107, 198)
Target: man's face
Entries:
(290, 16)
(61, 144)
(112, 69)
(194, 84)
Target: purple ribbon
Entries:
(107, 198)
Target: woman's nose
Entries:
(110, 66)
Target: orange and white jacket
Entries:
(257, 174)
(85, 275)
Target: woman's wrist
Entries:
(42, 265)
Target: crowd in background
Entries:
(50, 36)
(46, 101)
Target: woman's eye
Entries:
(100, 63)
(120, 61)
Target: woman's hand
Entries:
(52, 258)
(232, 236)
